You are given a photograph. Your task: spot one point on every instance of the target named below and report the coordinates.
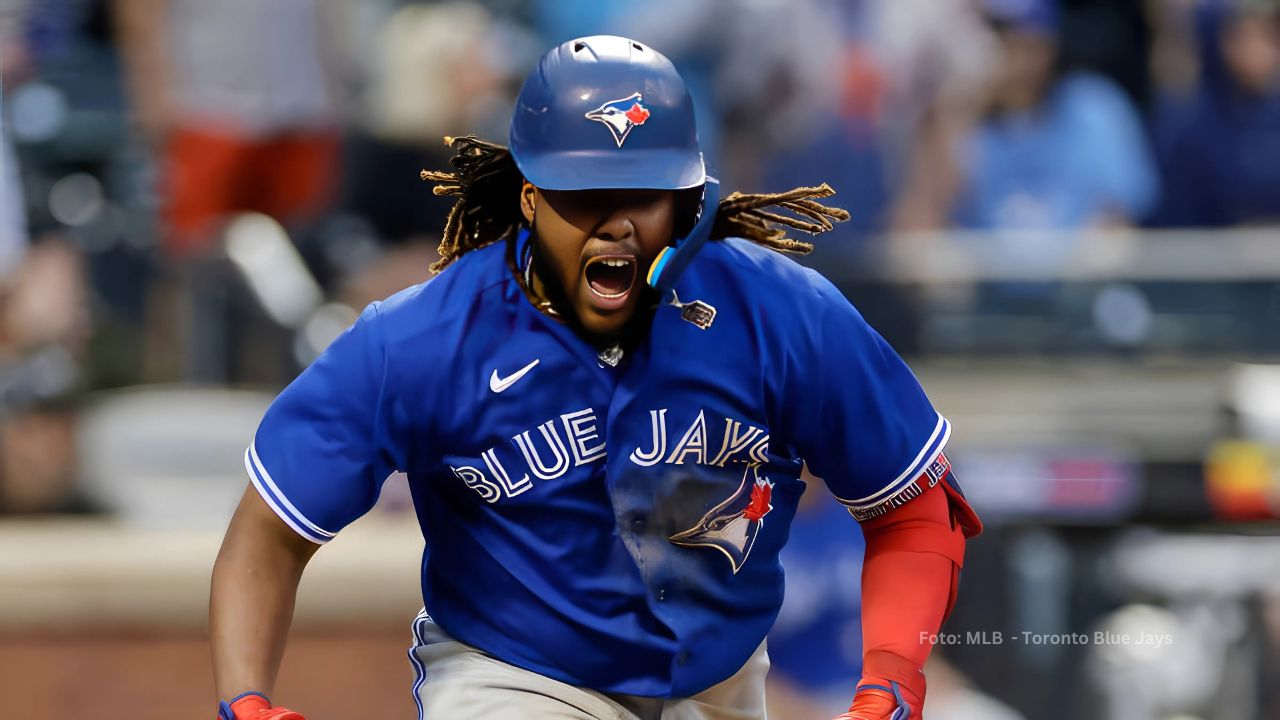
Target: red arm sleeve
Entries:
(910, 576)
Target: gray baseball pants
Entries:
(455, 681)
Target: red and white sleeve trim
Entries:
(929, 461)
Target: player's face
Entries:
(598, 245)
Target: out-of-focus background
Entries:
(1065, 217)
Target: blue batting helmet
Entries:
(606, 112)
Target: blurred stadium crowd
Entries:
(1064, 214)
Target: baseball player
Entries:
(602, 403)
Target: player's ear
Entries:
(528, 201)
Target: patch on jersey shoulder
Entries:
(732, 526)
(697, 312)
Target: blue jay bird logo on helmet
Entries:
(732, 526)
(621, 116)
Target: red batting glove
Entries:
(254, 706)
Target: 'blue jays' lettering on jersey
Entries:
(612, 527)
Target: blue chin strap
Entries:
(673, 259)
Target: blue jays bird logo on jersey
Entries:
(731, 527)
(621, 116)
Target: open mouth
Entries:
(611, 276)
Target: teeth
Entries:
(613, 262)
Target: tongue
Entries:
(608, 280)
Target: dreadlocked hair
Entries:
(744, 215)
(487, 182)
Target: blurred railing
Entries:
(1116, 294)
(1075, 256)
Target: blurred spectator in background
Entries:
(44, 320)
(881, 133)
(774, 67)
(1217, 123)
(238, 97)
(239, 100)
(1051, 149)
(934, 58)
(843, 142)
(13, 216)
(430, 70)
(560, 20)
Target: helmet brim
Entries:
(658, 169)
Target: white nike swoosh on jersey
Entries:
(498, 384)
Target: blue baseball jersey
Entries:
(613, 526)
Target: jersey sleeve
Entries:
(322, 451)
(865, 424)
